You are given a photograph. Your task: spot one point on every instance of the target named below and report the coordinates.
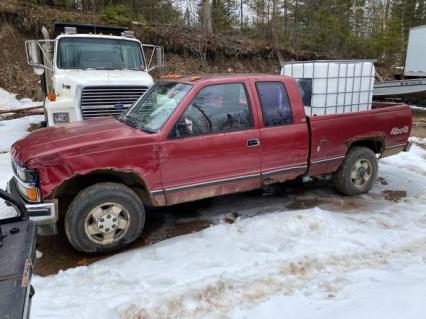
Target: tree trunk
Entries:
(206, 17)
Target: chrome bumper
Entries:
(43, 213)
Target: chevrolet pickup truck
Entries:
(189, 138)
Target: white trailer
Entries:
(411, 87)
(415, 63)
(90, 71)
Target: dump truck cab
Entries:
(91, 71)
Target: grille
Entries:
(106, 100)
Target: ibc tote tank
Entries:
(333, 86)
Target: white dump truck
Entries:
(89, 71)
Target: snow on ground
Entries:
(418, 108)
(357, 261)
(418, 140)
(8, 101)
(10, 131)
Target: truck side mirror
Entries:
(39, 55)
(34, 57)
(159, 53)
(155, 54)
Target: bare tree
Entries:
(206, 17)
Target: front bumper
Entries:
(45, 213)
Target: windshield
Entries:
(156, 105)
(97, 53)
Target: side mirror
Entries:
(34, 57)
(182, 129)
(154, 55)
(40, 55)
(159, 53)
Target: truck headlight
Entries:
(61, 117)
(24, 174)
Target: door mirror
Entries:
(159, 53)
(34, 57)
(154, 55)
(182, 129)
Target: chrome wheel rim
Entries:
(107, 223)
(361, 173)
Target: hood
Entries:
(50, 144)
(66, 81)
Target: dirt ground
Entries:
(187, 218)
(184, 219)
(419, 123)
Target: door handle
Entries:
(253, 142)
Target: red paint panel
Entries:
(59, 153)
(284, 146)
(208, 158)
(331, 135)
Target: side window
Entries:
(305, 88)
(275, 104)
(216, 108)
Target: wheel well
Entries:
(376, 145)
(71, 187)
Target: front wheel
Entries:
(358, 172)
(104, 217)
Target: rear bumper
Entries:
(43, 213)
(407, 147)
(395, 149)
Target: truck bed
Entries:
(388, 125)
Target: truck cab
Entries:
(91, 71)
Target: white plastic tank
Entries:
(331, 87)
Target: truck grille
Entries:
(106, 100)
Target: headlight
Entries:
(61, 117)
(24, 174)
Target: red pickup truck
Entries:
(190, 138)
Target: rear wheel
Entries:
(104, 217)
(357, 173)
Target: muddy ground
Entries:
(184, 219)
(419, 123)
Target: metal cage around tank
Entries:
(352, 89)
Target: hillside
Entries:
(187, 50)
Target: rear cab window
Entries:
(216, 108)
(305, 89)
(275, 104)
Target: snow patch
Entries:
(8, 101)
(11, 131)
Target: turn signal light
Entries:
(51, 96)
(32, 194)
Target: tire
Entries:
(358, 172)
(104, 217)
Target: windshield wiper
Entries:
(132, 122)
(128, 120)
